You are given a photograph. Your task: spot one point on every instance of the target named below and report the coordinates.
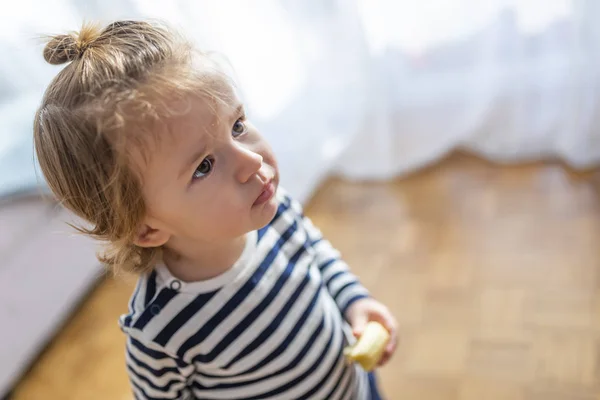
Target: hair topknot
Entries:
(65, 48)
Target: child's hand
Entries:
(364, 310)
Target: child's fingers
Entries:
(389, 350)
(358, 324)
(387, 319)
(384, 359)
(389, 322)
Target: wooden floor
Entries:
(493, 273)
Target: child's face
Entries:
(210, 176)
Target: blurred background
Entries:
(449, 148)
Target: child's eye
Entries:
(238, 128)
(204, 168)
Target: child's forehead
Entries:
(212, 108)
(194, 115)
(218, 96)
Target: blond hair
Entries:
(119, 80)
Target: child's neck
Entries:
(201, 262)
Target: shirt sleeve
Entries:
(341, 283)
(154, 374)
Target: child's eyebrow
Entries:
(194, 157)
(238, 110)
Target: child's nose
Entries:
(249, 163)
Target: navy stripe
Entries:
(179, 394)
(287, 200)
(261, 232)
(157, 355)
(156, 372)
(310, 370)
(285, 344)
(334, 276)
(293, 364)
(345, 372)
(254, 314)
(288, 340)
(349, 386)
(146, 396)
(327, 263)
(134, 297)
(316, 241)
(182, 317)
(164, 296)
(344, 287)
(239, 296)
(281, 208)
(128, 318)
(272, 327)
(327, 376)
(351, 301)
(150, 288)
(153, 385)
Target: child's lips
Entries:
(266, 194)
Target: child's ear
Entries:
(151, 237)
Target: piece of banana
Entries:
(369, 348)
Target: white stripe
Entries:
(137, 393)
(274, 341)
(337, 393)
(353, 393)
(349, 293)
(323, 367)
(136, 305)
(260, 292)
(339, 282)
(248, 303)
(153, 392)
(275, 338)
(333, 378)
(157, 380)
(314, 232)
(334, 268)
(143, 357)
(326, 251)
(262, 387)
(362, 385)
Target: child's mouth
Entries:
(266, 194)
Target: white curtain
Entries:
(369, 89)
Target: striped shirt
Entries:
(270, 327)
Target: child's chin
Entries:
(266, 214)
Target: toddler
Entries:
(239, 296)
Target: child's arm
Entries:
(352, 298)
(341, 284)
(154, 374)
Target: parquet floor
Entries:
(493, 273)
